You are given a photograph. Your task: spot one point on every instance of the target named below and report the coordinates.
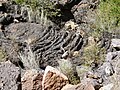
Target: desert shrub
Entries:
(19, 1)
(68, 69)
(2, 55)
(29, 59)
(107, 17)
(93, 54)
(46, 6)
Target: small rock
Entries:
(78, 87)
(109, 70)
(107, 87)
(81, 32)
(115, 43)
(10, 78)
(92, 75)
(91, 41)
(71, 25)
(76, 53)
(112, 55)
(6, 19)
(16, 21)
(53, 79)
(106, 69)
(32, 80)
(116, 85)
(65, 55)
(95, 82)
(63, 2)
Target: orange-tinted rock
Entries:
(32, 80)
(53, 79)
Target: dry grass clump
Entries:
(41, 7)
(93, 54)
(69, 70)
(2, 55)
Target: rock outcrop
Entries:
(32, 80)
(53, 79)
(43, 45)
(10, 76)
(34, 42)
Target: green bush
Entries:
(19, 1)
(46, 5)
(107, 17)
(93, 54)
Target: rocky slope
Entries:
(40, 54)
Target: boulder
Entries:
(10, 78)
(32, 80)
(78, 87)
(53, 79)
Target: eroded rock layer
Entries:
(43, 44)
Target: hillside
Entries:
(59, 44)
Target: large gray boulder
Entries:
(10, 78)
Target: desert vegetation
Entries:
(42, 9)
(107, 17)
(2, 55)
(83, 45)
